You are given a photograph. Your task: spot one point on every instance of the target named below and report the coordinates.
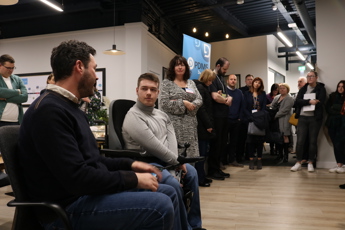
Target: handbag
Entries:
(293, 120)
(253, 130)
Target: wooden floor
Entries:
(271, 199)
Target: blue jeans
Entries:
(193, 219)
(307, 127)
(124, 210)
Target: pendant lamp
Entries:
(114, 51)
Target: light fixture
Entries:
(240, 2)
(310, 65)
(114, 51)
(274, 7)
(300, 55)
(53, 4)
(206, 34)
(8, 2)
(194, 29)
(227, 36)
(283, 37)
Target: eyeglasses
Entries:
(9, 68)
(310, 76)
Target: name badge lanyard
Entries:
(221, 85)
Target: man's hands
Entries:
(147, 181)
(144, 174)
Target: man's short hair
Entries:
(249, 75)
(221, 61)
(148, 76)
(6, 58)
(65, 55)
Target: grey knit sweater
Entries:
(151, 130)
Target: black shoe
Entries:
(206, 180)
(204, 184)
(199, 229)
(226, 175)
(342, 186)
(215, 176)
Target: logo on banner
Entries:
(190, 63)
(198, 55)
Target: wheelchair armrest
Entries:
(131, 153)
(58, 210)
(183, 160)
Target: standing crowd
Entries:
(222, 122)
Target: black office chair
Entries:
(117, 113)
(25, 216)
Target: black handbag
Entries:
(254, 130)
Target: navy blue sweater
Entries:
(237, 105)
(59, 154)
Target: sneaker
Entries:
(333, 170)
(341, 169)
(296, 167)
(310, 168)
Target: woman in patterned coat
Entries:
(180, 99)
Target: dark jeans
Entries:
(241, 149)
(255, 144)
(307, 127)
(230, 154)
(217, 145)
(338, 145)
(5, 123)
(200, 166)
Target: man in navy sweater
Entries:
(231, 155)
(62, 164)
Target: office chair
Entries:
(25, 216)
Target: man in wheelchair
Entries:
(151, 130)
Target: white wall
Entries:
(330, 59)
(143, 53)
(246, 56)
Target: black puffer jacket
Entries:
(205, 114)
(320, 92)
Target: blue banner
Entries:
(198, 55)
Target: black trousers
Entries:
(217, 145)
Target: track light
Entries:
(53, 4)
(194, 29)
(206, 34)
(310, 65)
(240, 2)
(283, 37)
(274, 7)
(300, 55)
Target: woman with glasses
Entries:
(309, 111)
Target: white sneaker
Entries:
(341, 169)
(333, 170)
(296, 167)
(310, 167)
